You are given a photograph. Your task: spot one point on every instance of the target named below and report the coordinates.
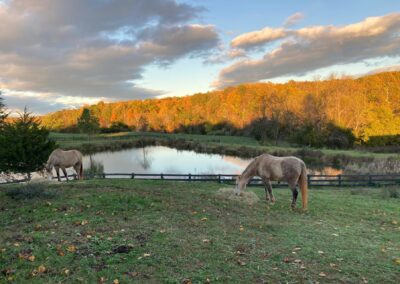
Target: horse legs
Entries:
(268, 190)
(295, 193)
(58, 173)
(77, 169)
(65, 173)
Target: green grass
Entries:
(154, 231)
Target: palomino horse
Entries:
(64, 159)
(267, 167)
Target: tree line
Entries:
(333, 112)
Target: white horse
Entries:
(64, 159)
(268, 167)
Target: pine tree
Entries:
(24, 145)
(88, 123)
(3, 113)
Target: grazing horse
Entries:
(268, 167)
(64, 159)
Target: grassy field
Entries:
(69, 140)
(127, 231)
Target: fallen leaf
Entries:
(320, 252)
(241, 263)
(206, 241)
(146, 255)
(286, 260)
(162, 231)
(241, 229)
(297, 261)
(42, 269)
(38, 227)
(31, 258)
(302, 267)
(71, 248)
(397, 261)
(204, 219)
(186, 281)
(115, 281)
(84, 222)
(296, 249)
(66, 271)
(394, 222)
(332, 265)
(102, 280)
(322, 274)
(364, 280)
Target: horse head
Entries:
(238, 185)
(48, 169)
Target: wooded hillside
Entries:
(368, 106)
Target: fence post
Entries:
(104, 175)
(219, 178)
(309, 180)
(162, 176)
(190, 177)
(339, 180)
(132, 175)
(369, 180)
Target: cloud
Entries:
(95, 48)
(382, 69)
(257, 38)
(310, 48)
(293, 19)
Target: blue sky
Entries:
(53, 53)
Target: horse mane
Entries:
(249, 167)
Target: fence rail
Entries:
(312, 180)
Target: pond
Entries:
(160, 159)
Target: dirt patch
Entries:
(247, 197)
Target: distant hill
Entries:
(368, 106)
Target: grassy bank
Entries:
(144, 231)
(117, 140)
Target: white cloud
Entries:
(310, 48)
(293, 19)
(91, 49)
(257, 38)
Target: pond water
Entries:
(160, 159)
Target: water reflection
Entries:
(159, 159)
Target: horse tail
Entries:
(81, 172)
(304, 186)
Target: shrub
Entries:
(95, 169)
(29, 191)
(390, 192)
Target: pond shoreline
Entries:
(312, 157)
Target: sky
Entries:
(57, 54)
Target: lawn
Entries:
(153, 231)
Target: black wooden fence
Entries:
(312, 180)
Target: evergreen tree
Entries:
(88, 123)
(3, 114)
(24, 145)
